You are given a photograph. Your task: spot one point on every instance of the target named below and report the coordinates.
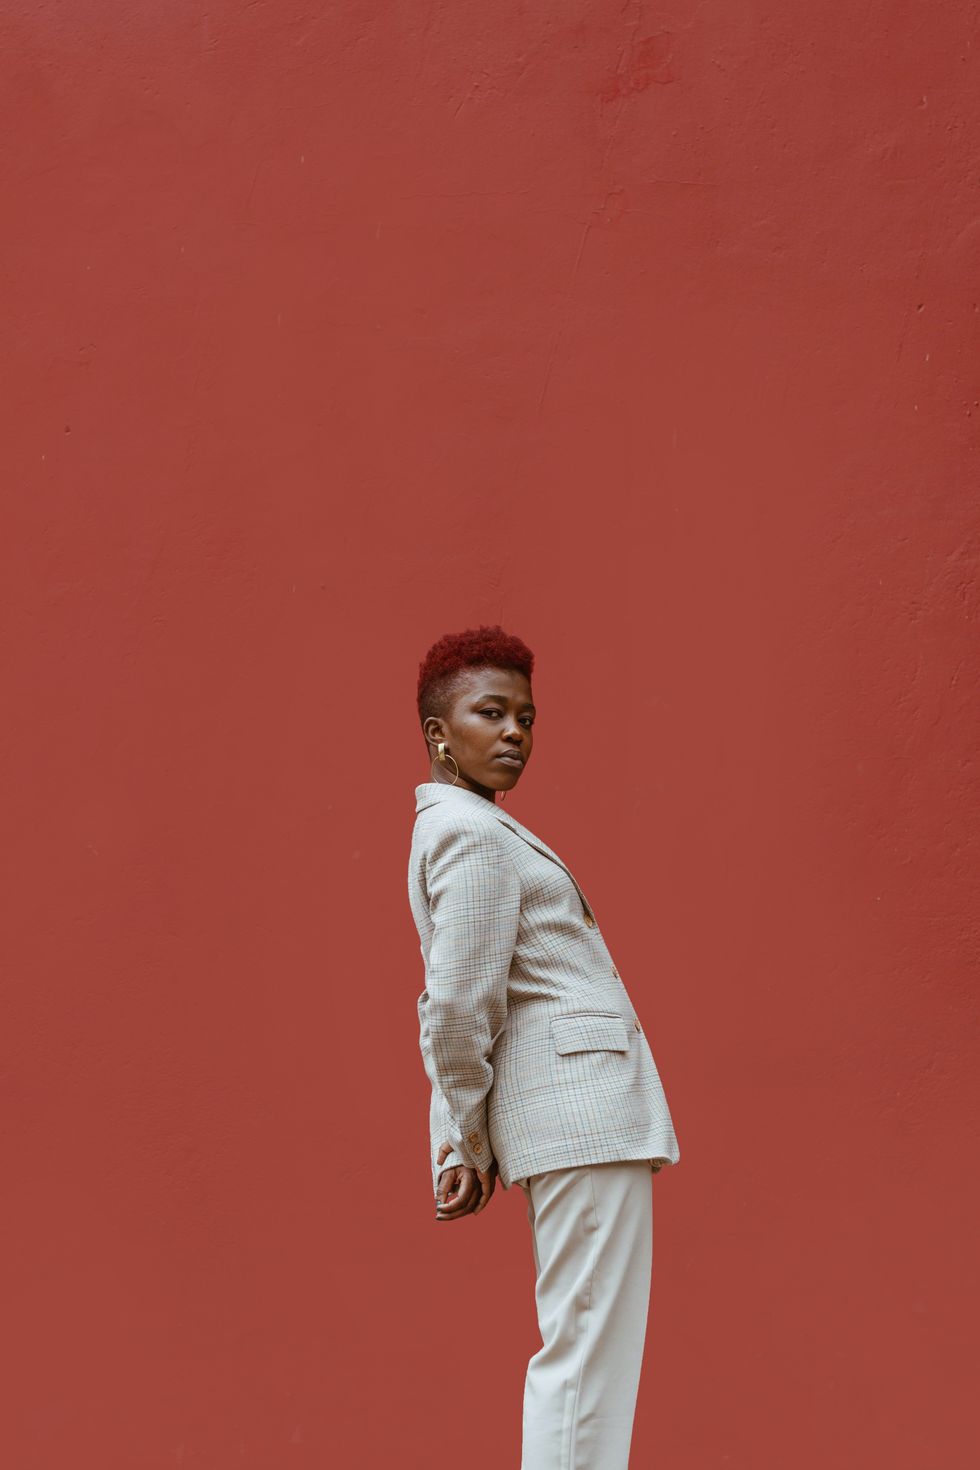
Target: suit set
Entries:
(537, 1060)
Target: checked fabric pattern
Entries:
(534, 1052)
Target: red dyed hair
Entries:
(487, 646)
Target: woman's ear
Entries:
(433, 731)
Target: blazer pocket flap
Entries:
(589, 1033)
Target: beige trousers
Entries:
(592, 1237)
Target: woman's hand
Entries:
(463, 1191)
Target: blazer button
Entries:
(474, 1138)
(588, 918)
(478, 1148)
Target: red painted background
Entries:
(650, 330)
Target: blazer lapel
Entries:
(432, 791)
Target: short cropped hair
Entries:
(487, 646)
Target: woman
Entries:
(541, 1074)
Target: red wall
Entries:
(650, 330)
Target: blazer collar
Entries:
(431, 792)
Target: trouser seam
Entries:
(573, 1432)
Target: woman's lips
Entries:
(512, 760)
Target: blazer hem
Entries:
(569, 1158)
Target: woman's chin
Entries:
(504, 778)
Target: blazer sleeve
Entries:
(474, 898)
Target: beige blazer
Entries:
(533, 1049)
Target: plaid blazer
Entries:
(530, 1042)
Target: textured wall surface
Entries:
(652, 331)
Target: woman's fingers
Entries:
(445, 1186)
(463, 1191)
(485, 1183)
(457, 1193)
(452, 1194)
(476, 1194)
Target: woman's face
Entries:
(488, 728)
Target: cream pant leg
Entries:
(592, 1237)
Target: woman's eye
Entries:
(527, 721)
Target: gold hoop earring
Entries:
(443, 756)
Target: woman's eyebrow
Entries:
(503, 700)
